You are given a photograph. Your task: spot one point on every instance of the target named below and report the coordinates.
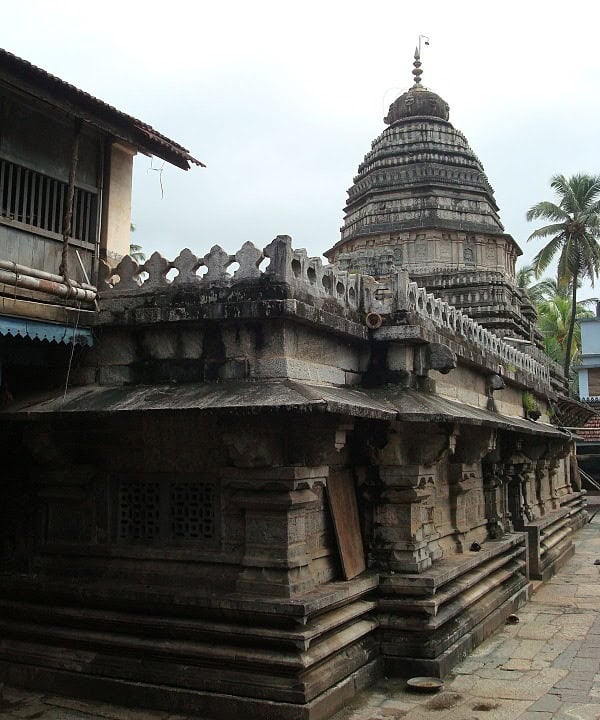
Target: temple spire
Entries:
(417, 72)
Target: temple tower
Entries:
(421, 201)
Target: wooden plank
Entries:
(23, 217)
(40, 221)
(61, 209)
(24, 246)
(46, 224)
(17, 193)
(40, 232)
(3, 210)
(88, 208)
(43, 311)
(53, 223)
(32, 214)
(344, 511)
(81, 207)
(9, 192)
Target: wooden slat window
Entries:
(38, 201)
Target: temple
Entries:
(421, 201)
(271, 480)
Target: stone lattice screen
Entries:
(352, 291)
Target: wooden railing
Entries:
(37, 201)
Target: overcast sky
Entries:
(281, 100)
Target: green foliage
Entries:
(136, 252)
(529, 402)
(554, 316)
(525, 276)
(574, 230)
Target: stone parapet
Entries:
(290, 277)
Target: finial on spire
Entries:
(417, 72)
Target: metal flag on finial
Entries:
(417, 72)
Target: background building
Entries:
(66, 161)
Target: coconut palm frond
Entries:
(544, 232)
(524, 276)
(546, 255)
(136, 252)
(548, 211)
(574, 233)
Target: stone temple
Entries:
(264, 488)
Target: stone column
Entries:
(527, 480)
(519, 494)
(553, 482)
(542, 486)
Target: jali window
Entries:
(167, 510)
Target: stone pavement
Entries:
(546, 666)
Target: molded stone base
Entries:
(441, 665)
(430, 622)
(550, 538)
(240, 652)
(181, 700)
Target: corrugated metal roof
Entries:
(145, 137)
(52, 332)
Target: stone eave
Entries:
(387, 403)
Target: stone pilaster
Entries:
(553, 481)
(466, 497)
(527, 480)
(405, 536)
(275, 502)
(493, 491)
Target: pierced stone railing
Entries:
(451, 318)
(295, 267)
(353, 291)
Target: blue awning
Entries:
(37, 330)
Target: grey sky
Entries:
(281, 100)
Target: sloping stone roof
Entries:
(381, 403)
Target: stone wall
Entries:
(427, 251)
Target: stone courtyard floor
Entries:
(546, 666)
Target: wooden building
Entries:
(66, 161)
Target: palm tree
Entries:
(538, 291)
(525, 275)
(136, 252)
(554, 316)
(573, 233)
